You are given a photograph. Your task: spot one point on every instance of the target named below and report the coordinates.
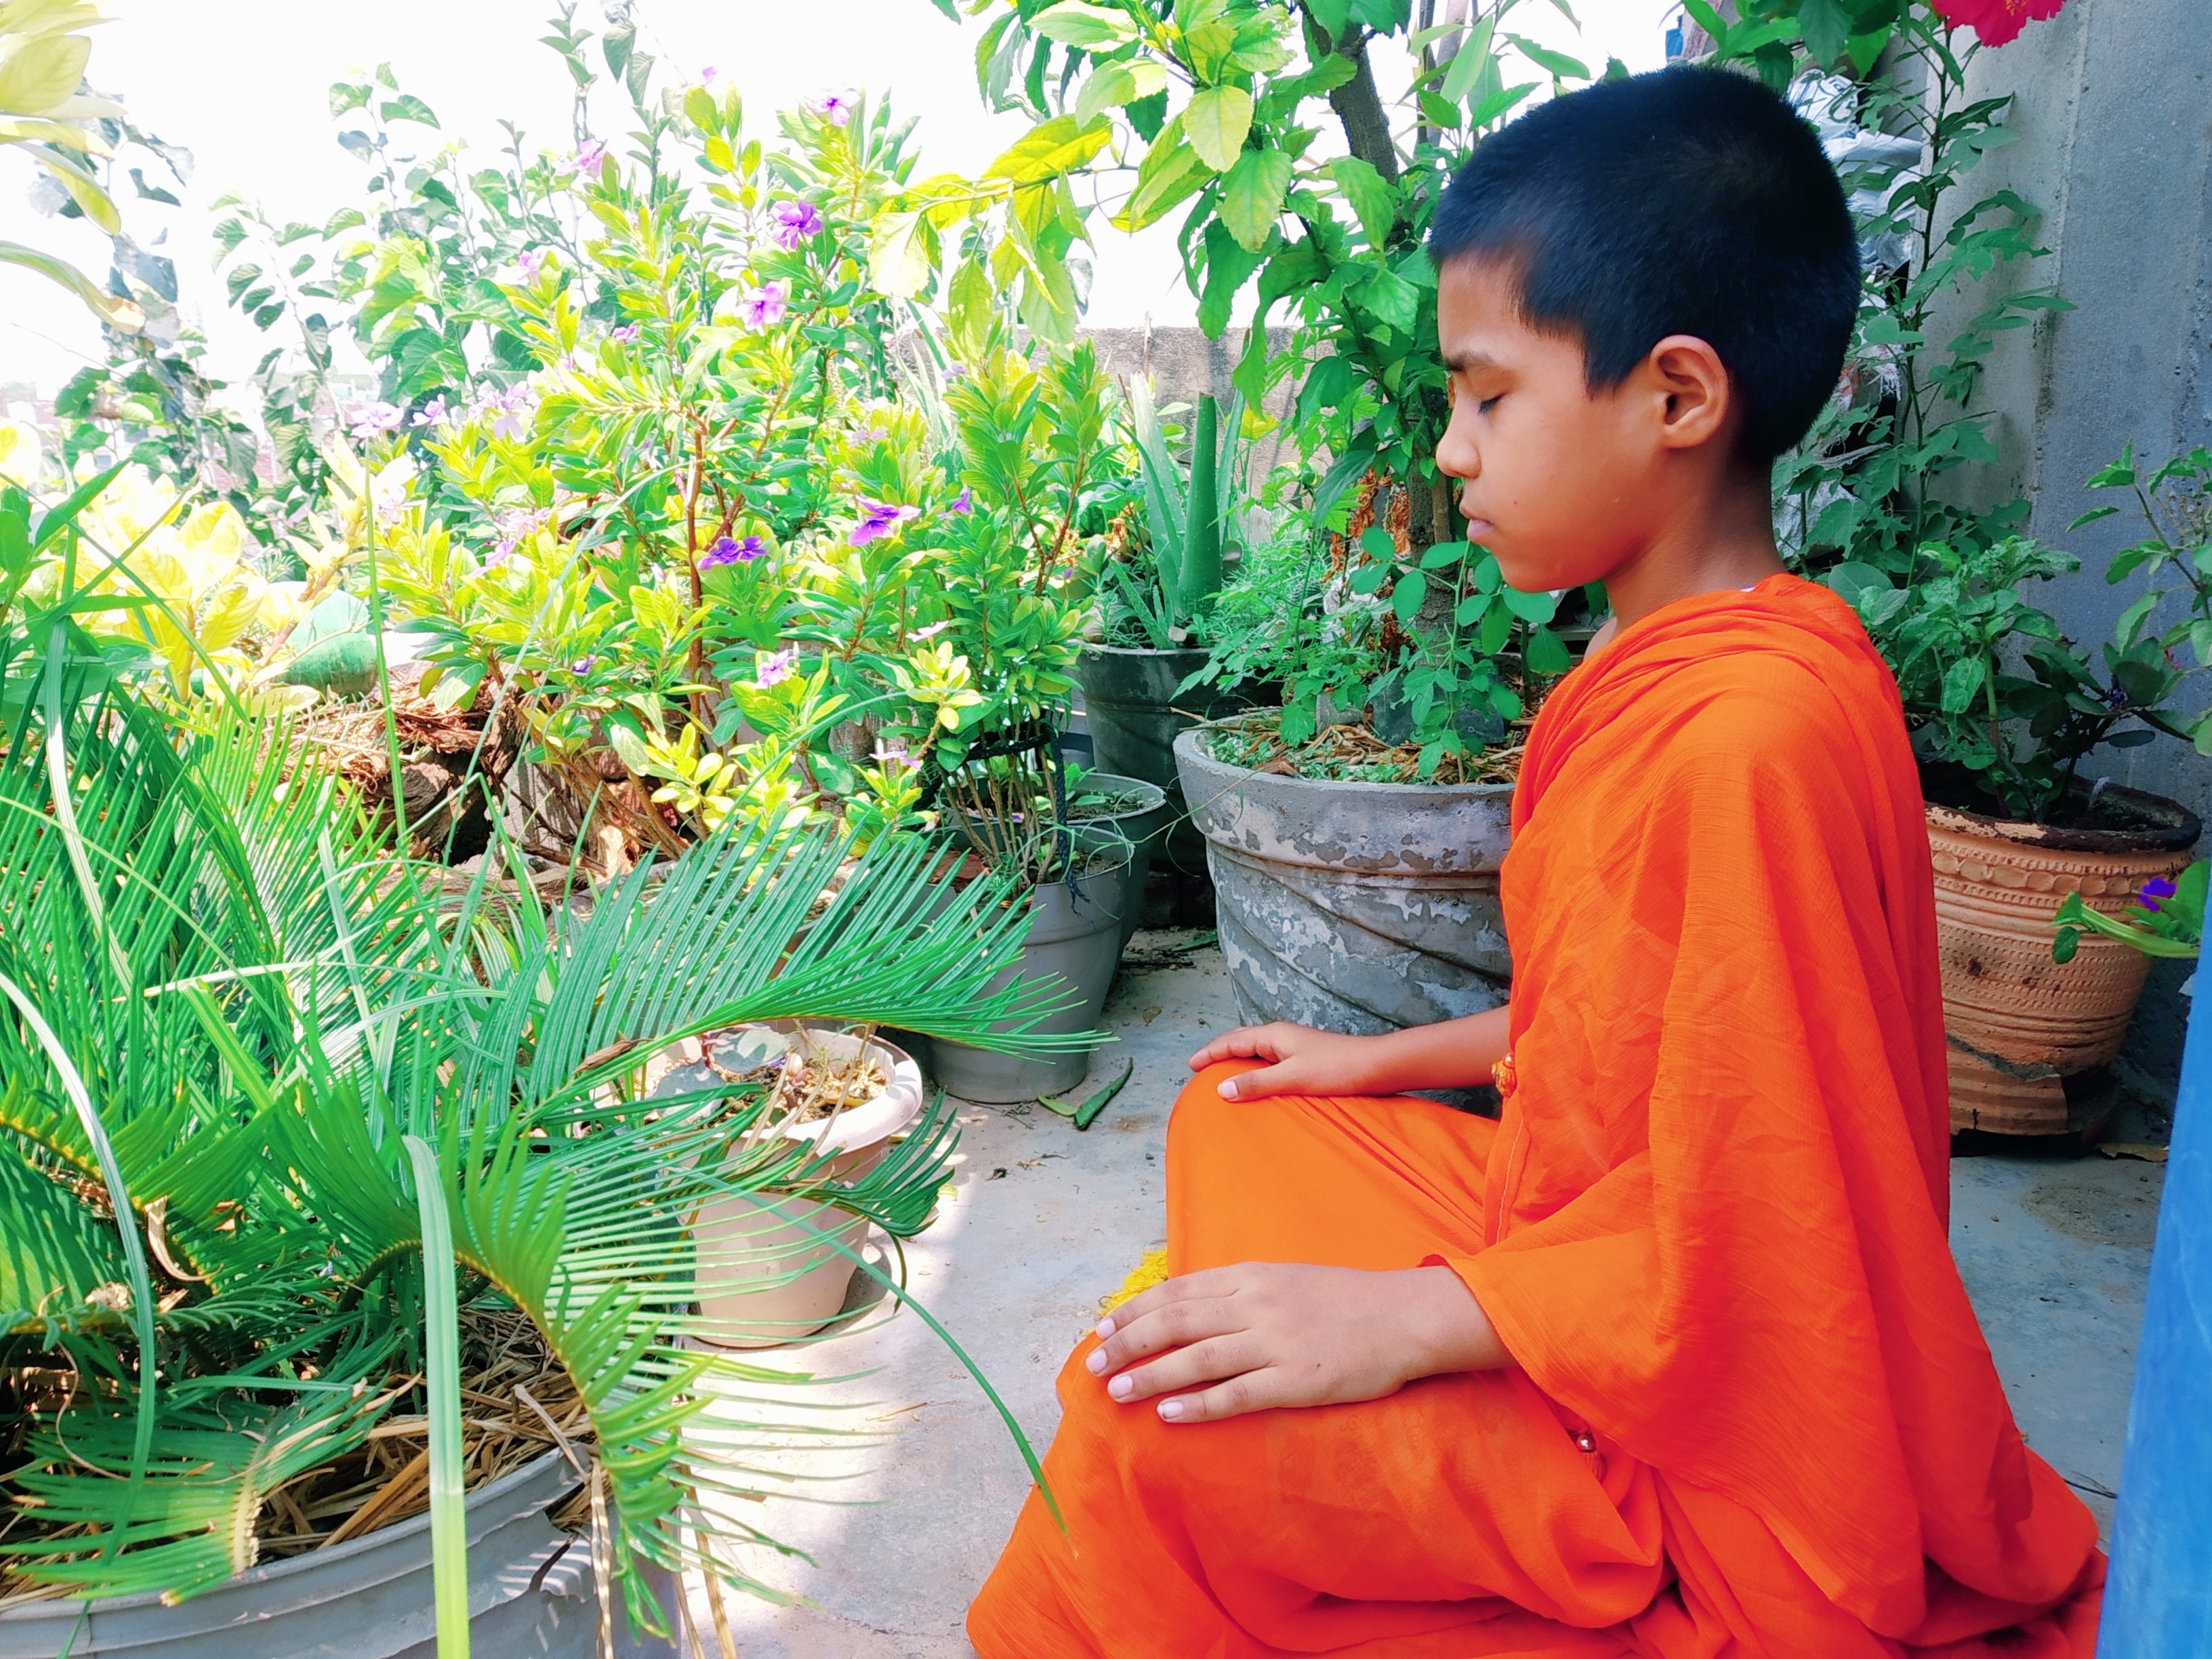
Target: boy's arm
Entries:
(1455, 1053)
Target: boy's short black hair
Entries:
(1686, 201)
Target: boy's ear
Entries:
(1690, 389)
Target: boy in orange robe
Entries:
(1672, 1360)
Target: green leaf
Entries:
(1072, 23)
(1331, 15)
(1388, 297)
(1252, 198)
(901, 253)
(1371, 198)
(346, 96)
(1962, 684)
(1490, 108)
(1545, 652)
(441, 1346)
(1216, 122)
(1377, 543)
(1475, 60)
(1826, 28)
(1444, 553)
(1553, 63)
(1229, 266)
(406, 106)
(1537, 607)
(1406, 598)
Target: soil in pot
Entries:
(1350, 905)
(2026, 1035)
(344, 1559)
(1075, 936)
(771, 1274)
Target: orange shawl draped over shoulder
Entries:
(1717, 1208)
(1751, 1412)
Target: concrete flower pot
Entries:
(767, 1276)
(531, 1590)
(1075, 936)
(1134, 716)
(2018, 1025)
(1353, 907)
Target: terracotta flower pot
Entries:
(2018, 1023)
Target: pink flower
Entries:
(434, 413)
(878, 520)
(508, 412)
(528, 264)
(964, 502)
(835, 107)
(588, 160)
(372, 419)
(793, 222)
(707, 75)
(893, 753)
(776, 667)
(763, 306)
(1997, 20)
(626, 335)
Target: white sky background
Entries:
(244, 85)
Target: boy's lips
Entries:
(1477, 529)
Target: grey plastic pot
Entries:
(1075, 935)
(531, 1590)
(1134, 716)
(1145, 820)
(1353, 907)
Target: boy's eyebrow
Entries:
(1468, 362)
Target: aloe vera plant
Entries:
(278, 1114)
(1187, 520)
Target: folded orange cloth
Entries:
(1751, 1412)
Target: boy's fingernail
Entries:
(1228, 1090)
(1119, 1388)
(1170, 1409)
(1104, 1330)
(1095, 1361)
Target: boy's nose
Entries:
(1456, 455)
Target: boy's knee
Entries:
(1200, 1107)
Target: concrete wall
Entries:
(2112, 114)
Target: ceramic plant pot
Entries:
(1353, 907)
(531, 1590)
(1139, 810)
(769, 1275)
(2019, 1024)
(1075, 936)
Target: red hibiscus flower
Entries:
(1997, 20)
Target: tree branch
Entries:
(1358, 106)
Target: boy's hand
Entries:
(1263, 1334)
(1304, 1061)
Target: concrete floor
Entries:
(1041, 1221)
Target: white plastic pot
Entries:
(767, 1274)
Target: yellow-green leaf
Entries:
(1049, 148)
(42, 72)
(901, 252)
(1169, 172)
(84, 189)
(1113, 85)
(1252, 198)
(1369, 196)
(1216, 123)
(1072, 23)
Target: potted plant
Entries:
(2013, 823)
(774, 1270)
(291, 1167)
(1144, 646)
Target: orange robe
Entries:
(1750, 1410)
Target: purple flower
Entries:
(509, 411)
(893, 753)
(835, 107)
(372, 419)
(434, 413)
(2155, 889)
(589, 159)
(582, 665)
(763, 307)
(963, 502)
(707, 75)
(728, 550)
(878, 520)
(775, 668)
(626, 335)
(793, 223)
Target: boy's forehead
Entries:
(1478, 319)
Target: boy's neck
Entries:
(1721, 541)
